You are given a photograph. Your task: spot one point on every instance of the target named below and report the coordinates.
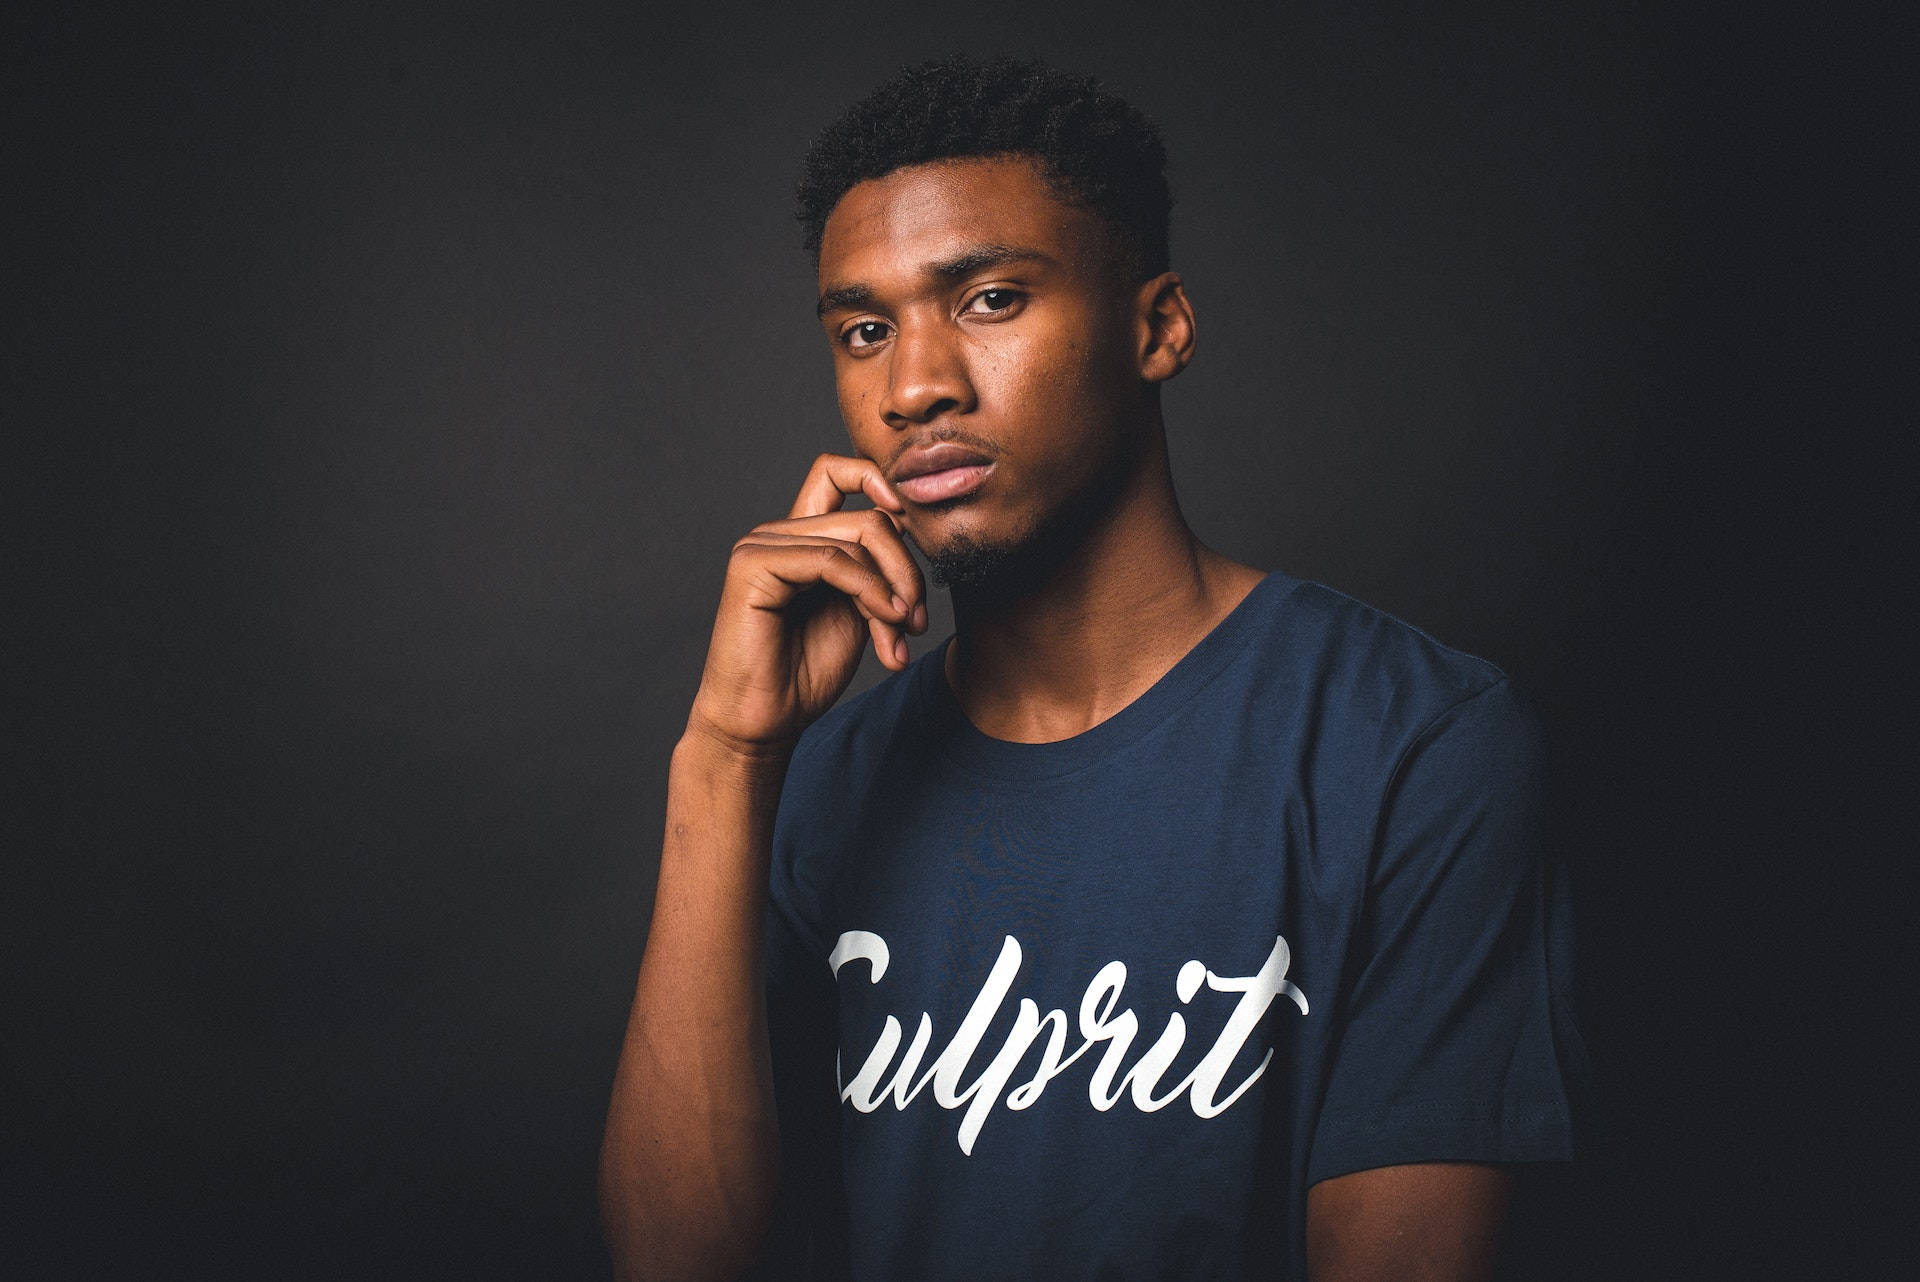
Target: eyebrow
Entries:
(947, 271)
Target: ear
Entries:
(1164, 322)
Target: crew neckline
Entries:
(973, 749)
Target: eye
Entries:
(865, 334)
(990, 301)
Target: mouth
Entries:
(947, 483)
(938, 473)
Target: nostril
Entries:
(912, 409)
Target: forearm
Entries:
(690, 1159)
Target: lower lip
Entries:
(950, 483)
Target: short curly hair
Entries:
(1098, 152)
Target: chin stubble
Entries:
(965, 562)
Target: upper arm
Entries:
(1451, 1039)
(1426, 1222)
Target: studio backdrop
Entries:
(404, 375)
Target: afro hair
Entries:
(1096, 151)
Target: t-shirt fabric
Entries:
(1107, 1007)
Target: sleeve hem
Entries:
(1460, 1139)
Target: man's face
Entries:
(986, 352)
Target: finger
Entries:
(835, 476)
(887, 627)
(911, 618)
(779, 571)
(778, 535)
(889, 645)
(874, 531)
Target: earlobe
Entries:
(1166, 327)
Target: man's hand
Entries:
(801, 597)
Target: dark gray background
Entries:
(394, 380)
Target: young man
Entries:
(1173, 919)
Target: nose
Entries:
(926, 376)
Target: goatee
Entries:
(1010, 568)
(964, 561)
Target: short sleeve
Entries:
(808, 1236)
(1454, 1039)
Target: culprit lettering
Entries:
(1098, 1024)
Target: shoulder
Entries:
(1435, 765)
(1357, 640)
(1374, 688)
(828, 781)
(1447, 744)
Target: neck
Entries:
(1079, 638)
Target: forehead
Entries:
(927, 213)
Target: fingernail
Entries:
(920, 617)
(900, 650)
(899, 606)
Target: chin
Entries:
(981, 565)
(965, 562)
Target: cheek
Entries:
(1071, 378)
(855, 394)
(1033, 369)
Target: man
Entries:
(1172, 920)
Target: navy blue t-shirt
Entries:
(1106, 1007)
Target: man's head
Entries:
(998, 307)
